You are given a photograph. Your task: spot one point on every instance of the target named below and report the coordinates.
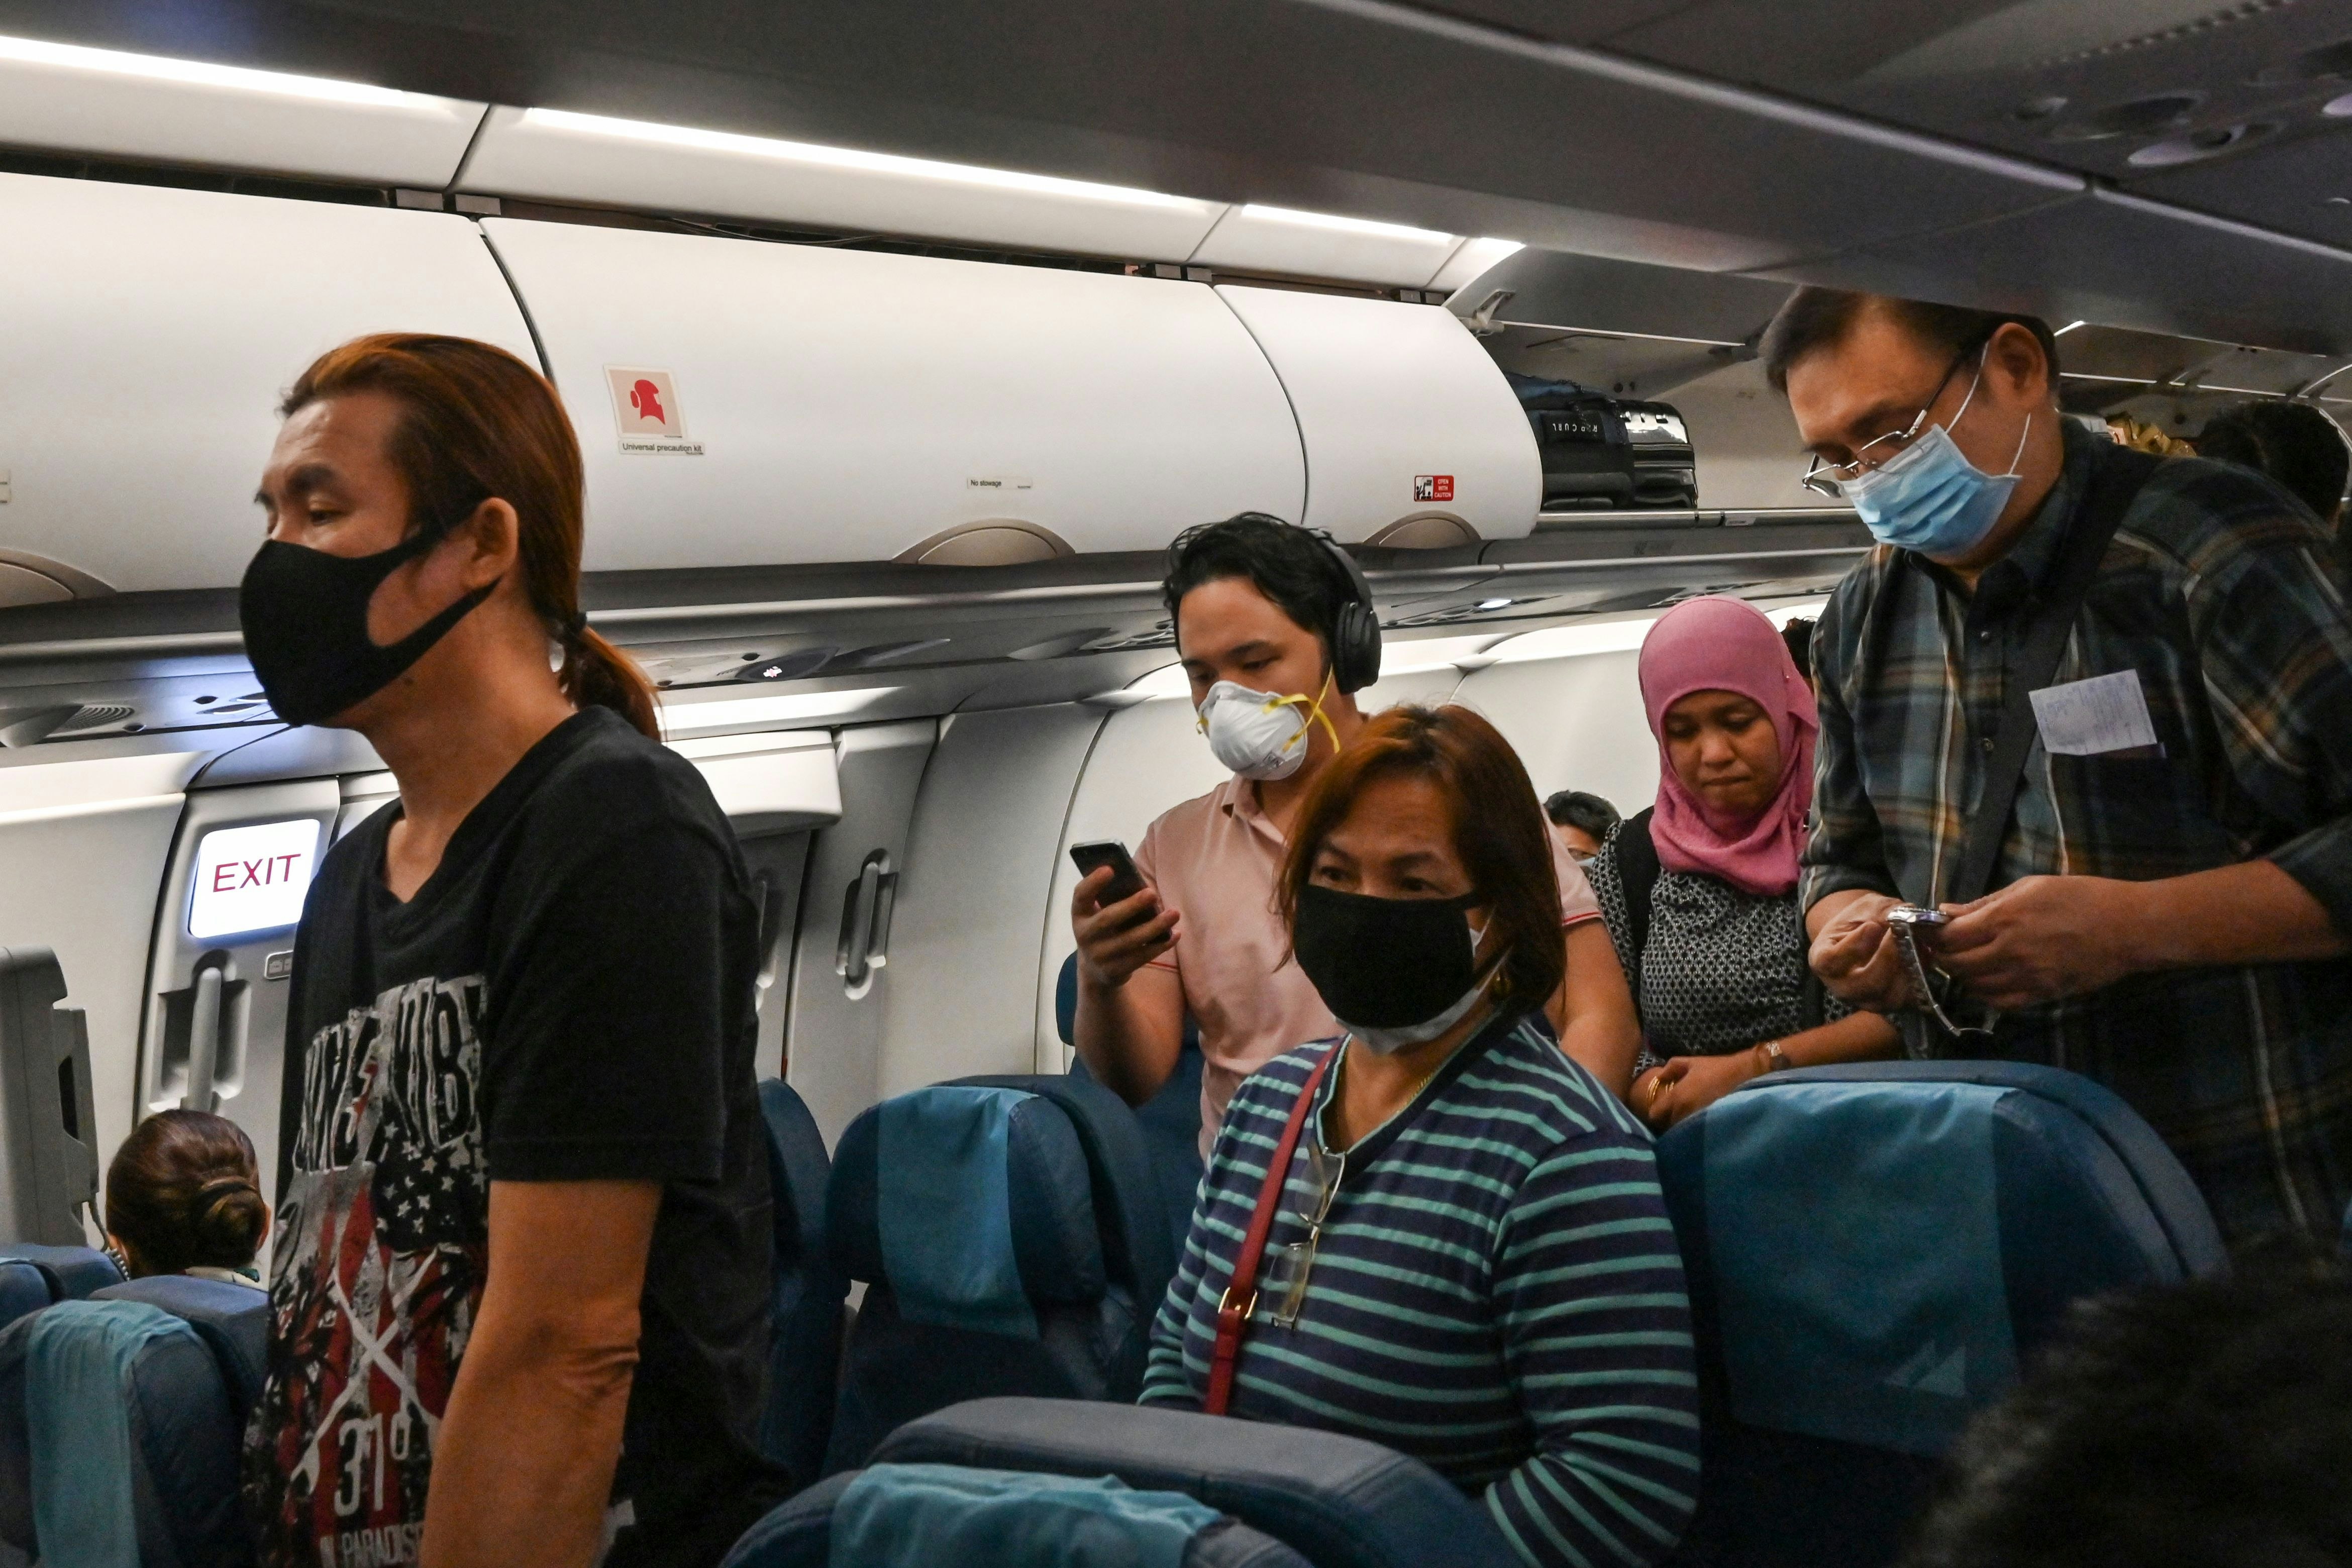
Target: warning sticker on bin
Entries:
(645, 407)
(1433, 486)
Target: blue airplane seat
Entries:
(1170, 1119)
(144, 1390)
(1011, 1237)
(798, 1533)
(32, 1276)
(806, 1308)
(1873, 1251)
(1338, 1501)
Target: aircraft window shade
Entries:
(1898, 1334)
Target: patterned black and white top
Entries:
(1724, 970)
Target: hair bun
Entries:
(230, 1220)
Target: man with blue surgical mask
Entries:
(1277, 633)
(2088, 712)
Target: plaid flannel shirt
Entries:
(2227, 599)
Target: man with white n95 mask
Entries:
(1277, 631)
(2096, 707)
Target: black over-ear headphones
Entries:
(1356, 629)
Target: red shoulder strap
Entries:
(1234, 1308)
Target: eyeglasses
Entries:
(1295, 1260)
(1825, 478)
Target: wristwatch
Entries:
(1775, 1059)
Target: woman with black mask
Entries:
(1462, 1251)
(520, 1289)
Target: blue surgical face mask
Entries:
(1930, 498)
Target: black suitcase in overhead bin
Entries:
(1606, 454)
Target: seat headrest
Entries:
(1873, 1251)
(73, 1272)
(22, 1289)
(232, 1319)
(797, 1170)
(970, 1202)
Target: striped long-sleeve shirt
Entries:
(1496, 1292)
(2224, 599)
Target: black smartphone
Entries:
(1126, 882)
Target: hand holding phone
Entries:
(1126, 881)
(1110, 950)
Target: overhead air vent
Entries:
(2140, 116)
(2328, 61)
(2198, 145)
(94, 716)
(789, 667)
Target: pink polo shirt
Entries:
(1215, 860)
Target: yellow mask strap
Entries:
(1314, 713)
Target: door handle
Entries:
(203, 1040)
(865, 909)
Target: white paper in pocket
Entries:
(2088, 718)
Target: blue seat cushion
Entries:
(1339, 1501)
(805, 1308)
(798, 1535)
(1871, 1253)
(73, 1272)
(233, 1321)
(22, 1289)
(174, 1458)
(971, 1202)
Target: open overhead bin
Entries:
(150, 333)
(1412, 436)
(743, 403)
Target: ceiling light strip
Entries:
(849, 157)
(202, 73)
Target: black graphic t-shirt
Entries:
(569, 997)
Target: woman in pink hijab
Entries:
(1700, 891)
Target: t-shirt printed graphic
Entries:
(388, 1182)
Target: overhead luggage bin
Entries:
(1413, 437)
(742, 403)
(558, 155)
(118, 105)
(152, 332)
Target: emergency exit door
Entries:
(214, 1034)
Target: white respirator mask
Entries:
(1259, 734)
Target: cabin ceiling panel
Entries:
(2124, 262)
(1469, 129)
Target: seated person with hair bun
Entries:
(184, 1196)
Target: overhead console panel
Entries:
(1412, 436)
(742, 403)
(152, 332)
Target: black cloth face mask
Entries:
(1389, 968)
(305, 617)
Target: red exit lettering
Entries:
(235, 876)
